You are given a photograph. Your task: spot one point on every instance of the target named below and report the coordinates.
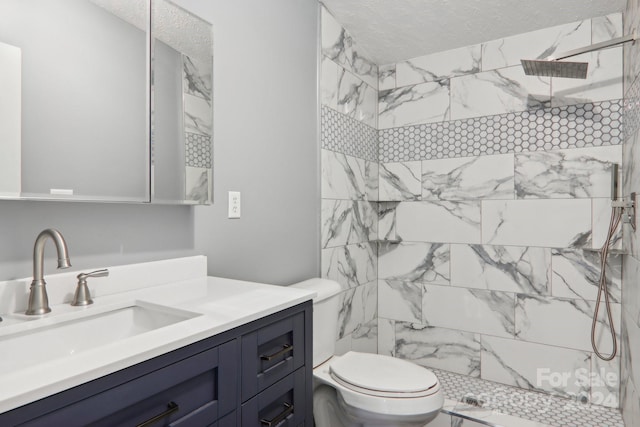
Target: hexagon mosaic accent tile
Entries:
(345, 135)
(573, 126)
(198, 150)
(534, 406)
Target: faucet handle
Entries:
(82, 295)
(98, 273)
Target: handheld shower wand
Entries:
(616, 216)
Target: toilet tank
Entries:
(325, 316)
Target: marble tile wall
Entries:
(487, 79)
(630, 387)
(493, 196)
(349, 183)
(198, 129)
(460, 211)
(485, 103)
(349, 81)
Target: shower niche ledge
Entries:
(611, 251)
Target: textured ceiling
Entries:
(182, 30)
(393, 30)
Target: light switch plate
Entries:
(234, 204)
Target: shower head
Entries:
(554, 68)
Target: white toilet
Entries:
(361, 389)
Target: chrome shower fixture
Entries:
(630, 217)
(553, 67)
(629, 209)
(614, 182)
(622, 211)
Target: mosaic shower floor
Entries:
(529, 405)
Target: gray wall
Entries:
(97, 234)
(265, 140)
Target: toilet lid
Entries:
(381, 373)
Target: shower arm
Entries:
(597, 46)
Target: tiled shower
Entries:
(463, 204)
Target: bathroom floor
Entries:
(529, 405)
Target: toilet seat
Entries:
(371, 386)
(383, 376)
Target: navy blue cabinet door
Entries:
(193, 391)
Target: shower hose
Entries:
(616, 217)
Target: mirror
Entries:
(75, 116)
(182, 125)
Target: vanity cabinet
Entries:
(258, 374)
(282, 404)
(274, 374)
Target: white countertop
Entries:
(220, 305)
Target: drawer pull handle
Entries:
(171, 408)
(288, 410)
(285, 349)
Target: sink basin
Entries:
(33, 342)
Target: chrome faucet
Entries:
(38, 299)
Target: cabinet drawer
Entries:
(271, 353)
(230, 420)
(282, 405)
(202, 388)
